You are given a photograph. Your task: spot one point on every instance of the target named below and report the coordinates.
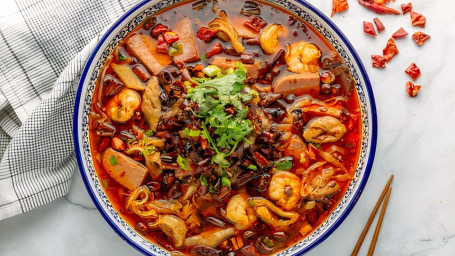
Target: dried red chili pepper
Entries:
(205, 33)
(158, 30)
(390, 50)
(400, 33)
(420, 38)
(162, 46)
(339, 6)
(379, 26)
(170, 37)
(258, 22)
(215, 50)
(406, 8)
(368, 28)
(377, 8)
(418, 19)
(413, 71)
(378, 61)
(104, 143)
(412, 89)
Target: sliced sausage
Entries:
(298, 84)
(185, 31)
(224, 63)
(143, 47)
(123, 169)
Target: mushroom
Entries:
(211, 238)
(324, 129)
(153, 163)
(138, 203)
(173, 227)
(151, 103)
(272, 214)
(321, 187)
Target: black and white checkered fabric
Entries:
(44, 45)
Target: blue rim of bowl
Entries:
(357, 194)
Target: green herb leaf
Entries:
(252, 167)
(225, 180)
(175, 49)
(284, 165)
(113, 160)
(268, 242)
(121, 57)
(317, 145)
(221, 160)
(213, 95)
(247, 97)
(302, 158)
(149, 133)
(203, 181)
(211, 70)
(183, 163)
(192, 133)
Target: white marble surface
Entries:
(416, 142)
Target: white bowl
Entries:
(131, 20)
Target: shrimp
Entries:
(302, 57)
(269, 38)
(240, 212)
(284, 187)
(122, 106)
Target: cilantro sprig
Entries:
(212, 96)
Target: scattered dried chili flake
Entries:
(205, 34)
(162, 46)
(413, 71)
(400, 33)
(339, 6)
(418, 19)
(215, 50)
(390, 50)
(158, 30)
(368, 28)
(379, 26)
(378, 61)
(420, 38)
(406, 8)
(412, 89)
(170, 37)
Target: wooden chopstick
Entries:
(378, 226)
(370, 219)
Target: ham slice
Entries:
(143, 47)
(123, 169)
(185, 31)
(223, 64)
(299, 84)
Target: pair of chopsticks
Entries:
(385, 193)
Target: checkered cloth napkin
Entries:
(44, 45)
